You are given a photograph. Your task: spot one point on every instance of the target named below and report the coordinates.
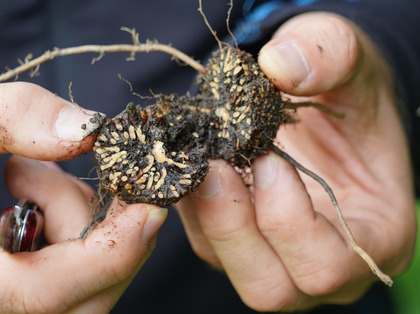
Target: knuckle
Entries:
(316, 279)
(205, 252)
(225, 241)
(268, 296)
(16, 301)
(272, 225)
(224, 232)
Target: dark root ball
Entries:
(158, 153)
(247, 107)
(144, 156)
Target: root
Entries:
(98, 206)
(227, 23)
(71, 93)
(102, 201)
(365, 256)
(131, 88)
(134, 48)
(200, 9)
(321, 107)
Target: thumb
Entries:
(36, 123)
(311, 54)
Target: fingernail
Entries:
(265, 171)
(288, 58)
(154, 221)
(74, 123)
(211, 184)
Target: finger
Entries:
(339, 61)
(314, 252)
(198, 240)
(104, 301)
(63, 200)
(317, 53)
(226, 215)
(38, 124)
(311, 54)
(83, 268)
(86, 188)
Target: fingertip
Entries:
(155, 219)
(265, 171)
(75, 130)
(312, 53)
(39, 124)
(127, 234)
(285, 63)
(212, 184)
(279, 191)
(136, 224)
(269, 169)
(74, 123)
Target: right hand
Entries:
(283, 247)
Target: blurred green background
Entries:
(406, 289)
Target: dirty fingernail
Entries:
(265, 171)
(287, 58)
(211, 184)
(74, 123)
(154, 221)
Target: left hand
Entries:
(283, 248)
(70, 274)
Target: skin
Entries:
(281, 244)
(58, 278)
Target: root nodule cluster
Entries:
(158, 153)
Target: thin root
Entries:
(227, 23)
(131, 87)
(296, 105)
(200, 9)
(29, 63)
(71, 93)
(365, 256)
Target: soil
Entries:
(158, 153)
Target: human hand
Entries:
(40, 125)
(283, 247)
(70, 274)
